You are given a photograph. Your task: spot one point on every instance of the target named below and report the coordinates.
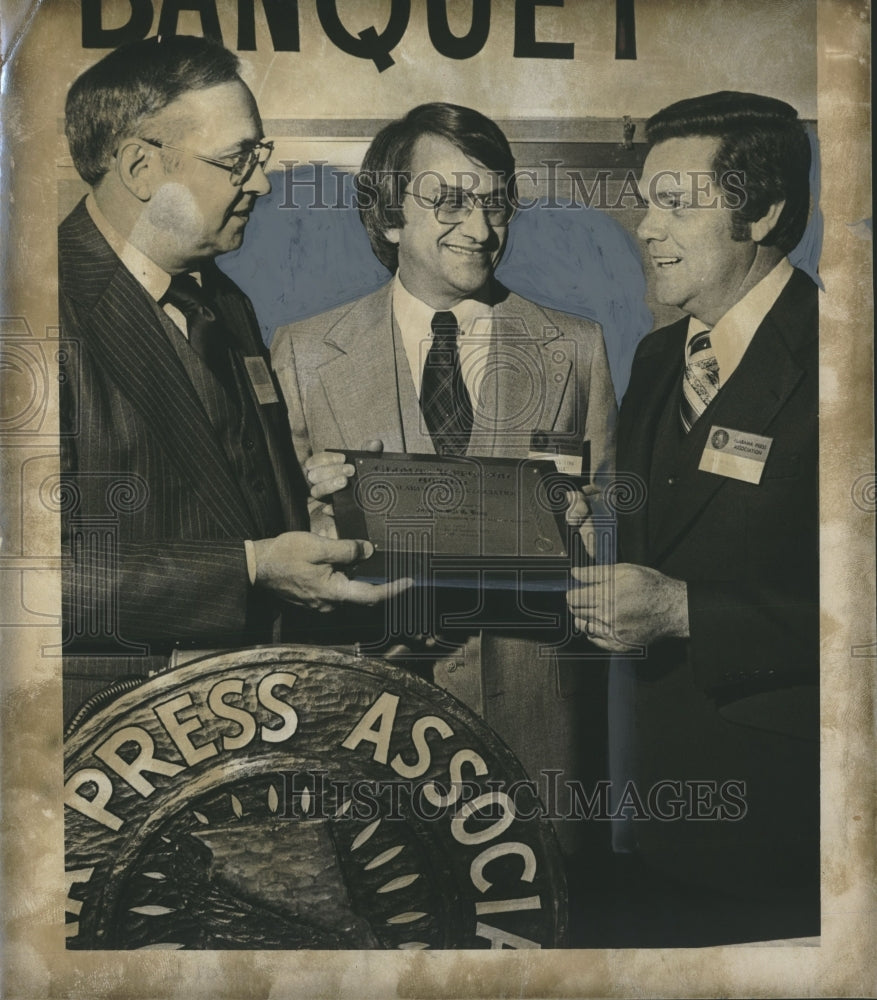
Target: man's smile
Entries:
(663, 261)
(478, 251)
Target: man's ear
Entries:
(392, 235)
(134, 165)
(764, 226)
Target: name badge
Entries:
(570, 456)
(261, 380)
(736, 454)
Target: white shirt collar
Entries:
(154, 279)
(410, 310)
(733, 333)
(414, 319)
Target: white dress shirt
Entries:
(155, 280)
(734, 331)
(414, 319)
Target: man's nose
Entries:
(652, 225)
(476, 226)
(258, 183)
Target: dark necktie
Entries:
(208, 336)
(444, 398)
(700, 381)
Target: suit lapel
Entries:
(528, 368)
(241, 322)
(653, 380)
(129, 342)
(360, 380)
(750, 401)
(415, 434)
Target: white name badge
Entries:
(736, 454)
(570, 465)
(260, 378)
(568, 455)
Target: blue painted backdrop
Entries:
(299, 261)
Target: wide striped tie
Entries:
(444, 398)
(700, 382)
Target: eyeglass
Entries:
(455, 206)
(242, 166)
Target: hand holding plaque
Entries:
(327, 472)
(423, 512)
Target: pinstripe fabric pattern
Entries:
(153, 514)
(235, 422)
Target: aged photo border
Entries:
(840, 964)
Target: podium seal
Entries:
(291, 797)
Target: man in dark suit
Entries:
(183, 508)
(437, 194)
(715, 597)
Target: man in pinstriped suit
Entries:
(184, 521)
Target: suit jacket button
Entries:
(671, 480)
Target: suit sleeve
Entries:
(744, 639)
(597, 394)
(160, 593)
(283, 362)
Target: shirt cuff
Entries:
(250, 551)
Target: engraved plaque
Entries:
(463, 513)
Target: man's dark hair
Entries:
(386, 169)
(762, 143)
(132, 83)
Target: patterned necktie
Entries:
(208, 336)
(700, 383)
(444, 398)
